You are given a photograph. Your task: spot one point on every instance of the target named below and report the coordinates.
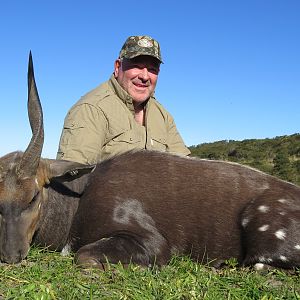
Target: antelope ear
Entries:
(64, 170)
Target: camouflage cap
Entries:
(140, 45)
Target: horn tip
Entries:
(30, 63)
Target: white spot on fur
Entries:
(280, 234)
(297, 247)
(66, 250)
(263, 259)
(263, 208)
(245, 222)
(283, 258)
(265, 186)
(130, 211)
(36, 182)
(282, 213)
(259, 266)
(282, 200)
(264, 227)
(106, 238)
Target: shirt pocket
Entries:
(72, 124)
(158, 143)
(71, 130)
(121, 143)
(127, 137)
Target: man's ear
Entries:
(117, 66)
(63, 170)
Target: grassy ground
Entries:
(47, 275)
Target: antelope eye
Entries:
(33, 200)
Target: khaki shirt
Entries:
(101, 125)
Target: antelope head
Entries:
(24, 180)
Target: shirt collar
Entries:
(121, 93)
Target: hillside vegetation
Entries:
(279, 156)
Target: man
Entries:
(122, 114)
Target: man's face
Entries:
(137, 76)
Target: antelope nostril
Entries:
(12, 258)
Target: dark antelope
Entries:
(143, 207)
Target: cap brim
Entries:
(135, 54)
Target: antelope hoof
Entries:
(89, 262)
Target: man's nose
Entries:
(144, 73)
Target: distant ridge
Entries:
(279, 156)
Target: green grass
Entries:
(47, 275)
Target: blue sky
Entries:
(231, 71)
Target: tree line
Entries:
(279, 156)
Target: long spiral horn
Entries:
(32, 154)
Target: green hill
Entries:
(279, 156)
